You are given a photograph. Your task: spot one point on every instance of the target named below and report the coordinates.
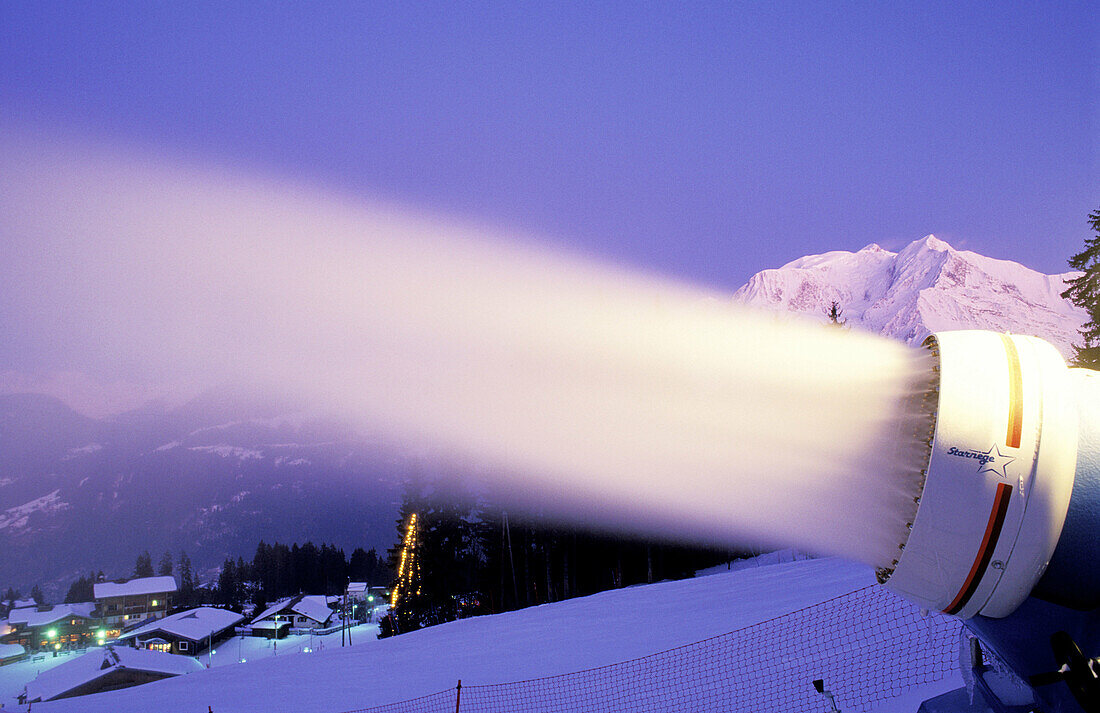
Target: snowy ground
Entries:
(16, 675)
(551, 639)
(242, 649)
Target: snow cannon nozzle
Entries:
(1005, 493)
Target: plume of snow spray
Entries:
(655, 404)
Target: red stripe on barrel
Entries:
(985, 552)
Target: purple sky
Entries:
(706, 142)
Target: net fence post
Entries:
(458, 695)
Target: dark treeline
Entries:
(82, 590)
(476, 558)
(275, 571)
(279, 570)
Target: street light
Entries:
(275, 637)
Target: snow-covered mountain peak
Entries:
(873, 248)
(931, 242)
(839, 259)
(927, 286)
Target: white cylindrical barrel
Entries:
(999, 478)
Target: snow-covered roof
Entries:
(135, 587)
(268, 624)
(272, 610)
(20, 603)
(8, 651)
(101, 661)
(30, 616)
(313, 606)
(193, 624)
(18, 617)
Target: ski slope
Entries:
(546, 640)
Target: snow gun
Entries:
(1007, 530)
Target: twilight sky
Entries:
(704, 142)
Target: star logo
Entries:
(997, 463)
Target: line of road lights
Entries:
(406, 569)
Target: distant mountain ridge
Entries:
(211, 477)
(928, 286)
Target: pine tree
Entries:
(143, 567)
(82, 590)
(164, 569)
(187, 580)
(228, 584)
(9, 601)
(358, 567)
(834, 314)
(264, 572)
(1084, 291)
(377, 571)
(37, 595)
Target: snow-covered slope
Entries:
(926, 287)
(540, 641)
